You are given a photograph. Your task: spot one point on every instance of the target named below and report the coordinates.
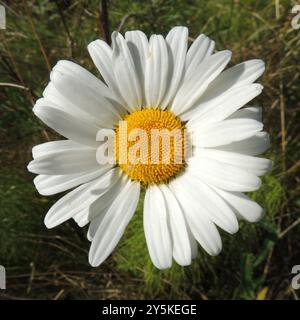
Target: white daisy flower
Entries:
(158, 83)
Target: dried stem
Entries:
(283, 130)
(104, 20)
(7, 84)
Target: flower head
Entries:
(181, 129)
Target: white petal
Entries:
(223, 106)
(52, 97)
(191, 90)
(67, 161)
(107, 190)
(180, 237)
(67, 125)
(125, 73)
(240, 75)
(254, 113)
(204, 231)
(48, 185)
(254, 165)
(200, 49)
(104, 201)
(138, 45)
(114, 223)
(223, 175)
(59, 145)
(177, 44)
(94, 225)
(80, 217)
(193, 243)
(156, 228)
(80, 198)
(101, 54)
(86, 98)
(245, 207)
(156, 73)
(252, 146)
(61, 211)
(88, 79)
(225, 132)
(211, 204)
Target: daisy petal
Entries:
(101, 54)
(253, 146)
(193, 243)
(244, 206)
(59, 145)
(204, 231)
(156, 228)
(240, 75)
(225, 105)
(94, 225)
(79, 199)
(86, 98)
(138, 46)
(49, 185)
(87, 79)
(105, 200)
(254, 165)
(177, 43)
(80, 217)
(223, 176)
(52, 97)
(254, 113)
(211, 204)
(180, 237)
(191, 90)
(69, 126)
(114, 223)
(125, 73)
(67, 161)
(200, 49)
(61, 211)
(225, 132)
(104, 192)
(156, 73)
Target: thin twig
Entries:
(283, 130)
(7, 84)
(11, 66)
(124, 20)
(294, 168)
(32, 273)
(59, 294)
(277, 7)
(289, 228)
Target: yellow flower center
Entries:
(151, 149)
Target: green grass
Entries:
(255, 263)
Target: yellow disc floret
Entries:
(150, 146)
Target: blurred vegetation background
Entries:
(255, 263)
